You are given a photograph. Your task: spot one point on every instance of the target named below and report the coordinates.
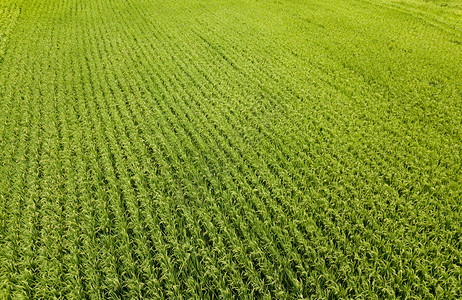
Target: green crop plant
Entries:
(230, 149)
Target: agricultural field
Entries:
(247, 149)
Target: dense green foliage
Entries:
(230, 148)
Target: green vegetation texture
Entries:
(230, 149)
